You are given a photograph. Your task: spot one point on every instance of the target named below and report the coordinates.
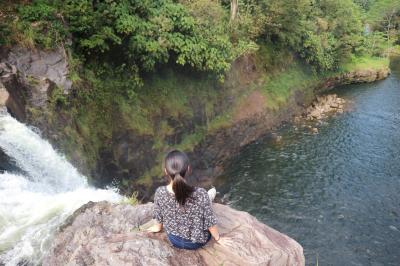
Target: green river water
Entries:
(336, 192)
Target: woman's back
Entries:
(190, 221)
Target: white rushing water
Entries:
(34, 204)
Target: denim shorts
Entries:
(183, 243)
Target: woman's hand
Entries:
(155, 228)
(225, 241)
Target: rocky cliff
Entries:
(30, 76)
(112, 234)
(211, 123)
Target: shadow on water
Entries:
(336, 192)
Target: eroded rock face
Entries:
(360, 76)
(29, 78)
(52, 65)
(110, 234)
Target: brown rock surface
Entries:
(323, 106)
(111, 234)
(50, 64)
(358, 76)
(30, 76)
(4, 95)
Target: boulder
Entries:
(30, 76)
(49, 64)
(325, 105)
(113, 234)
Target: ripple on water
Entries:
(336, 192)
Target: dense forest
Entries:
(206, 35)
(118, 49)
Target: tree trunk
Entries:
(234, 9)
(389, 25)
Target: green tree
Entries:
(323, 32)
(384, 15)
(365, 4)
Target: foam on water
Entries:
(34, 204)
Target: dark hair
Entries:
(177, 166)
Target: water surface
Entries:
(337, 192)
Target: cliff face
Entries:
(211, 122)
(109, 234)
(252, 120)
(28, 79)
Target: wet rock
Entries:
(275, 137)
(4, 95)
(297, 119)
(325, 105)
(113, 234)
(314, 130)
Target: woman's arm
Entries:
(214, 232)
(157, 215)
(155, 228)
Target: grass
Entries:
(134, 116)
(363, 63)
(223, 120)
(147, 178)
(395, 50)
(132, 200)
(280, 87)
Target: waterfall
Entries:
(37, 199)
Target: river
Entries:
(337, 192)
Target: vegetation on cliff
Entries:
(173, 72)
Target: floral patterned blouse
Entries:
(190, 221)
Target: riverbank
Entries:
(279, 100)
(335, 192)
(114, 139)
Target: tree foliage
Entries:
(384, 16)
(138, 36)
(323, 32)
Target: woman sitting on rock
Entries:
(182, 210)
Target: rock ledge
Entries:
(110, 234)
(325, 105)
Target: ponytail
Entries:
(177, 165)
(181, 189)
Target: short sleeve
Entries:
(209, 216)
(157, 208)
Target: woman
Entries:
(182, 210)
